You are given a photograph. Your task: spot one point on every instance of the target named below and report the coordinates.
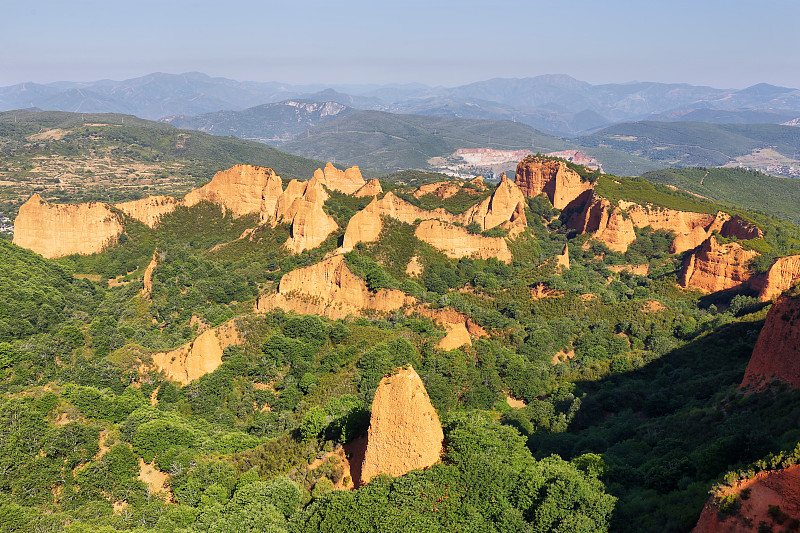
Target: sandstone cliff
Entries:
(440, 189)
(563, 259)
(458, 327)
(500, 207)
(775, 487)
(240, 189)
(149, 210)
(348, 181)
(715, 267)
(300, 205)
(371, 188)
(199, 357)
(608, 223)
(366, 225)
(147, 290)
(404, 432)
(55, 230)
(330, 289)
(561, 184)
(776, 354)
(782, 275)
(456, 242)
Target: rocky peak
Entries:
(561, 184)
(716, 267)
(782, 275)
(776, 355)
(347, 181)
(371, 188)
(238, 189)
(404, 431)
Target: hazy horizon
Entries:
(718, 44)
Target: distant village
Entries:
(6, 224)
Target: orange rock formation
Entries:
(776, 354)
(457, 242)
(715, 267)
(458, 327)
(54, 230)
(149, 210)
(563, 259)
(782, 275)
(301, 206)
(347, 181)
(330, 289)
(199, 357)
(440, 189)
(404, 432)
(371, 188)
(561, 184)
(501, 206)
(775, 487)
(148, 275)
(240, 189)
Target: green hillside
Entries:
(111, 157)
(745, 188)
(684, 144)
(601, 397)
(384, 142)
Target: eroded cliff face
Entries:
(456, 242)
(775, 487)
(371, 188)
(776, 354)
(56, 230)
(348, 181)
(614, 225)
(404, 431)
(715, 267)
(147, 290)
(199, 357)
(301, 207)
(782, 275)
(330, 289)
(240, 189)
(366, 225)
(561, 184)
(149, 210)
(458, 327)
(563, 259)
(498, 208)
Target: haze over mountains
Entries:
(557, 104)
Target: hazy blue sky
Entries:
(722, 43)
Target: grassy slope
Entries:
(745, 188)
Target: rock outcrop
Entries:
(561, 184)
(330, 289)
(199, 357)
(716, 267)
(504, 203)
(366, 225)
(300, 205)
(774, 487)
(371, 188)
(457, 242)
(782, 275)
(563, 259)
(241, 189)
(614, 224)
(440, 189)
(56, 230)
(404, 432)
(149, 210)
(459, 328)
(348, 181)
(147, 290)
(776, 355)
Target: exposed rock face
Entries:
(563, 259)
(404, 432)
(783, 274)
(366, 225)
(348, 181)
(776, 487)
(500, 207)
(458, 327)
(615, 225)
(239, 189)
(330, 289)
(517, 223)
(440, 189)
(414, 268)
(54, 230)
(457, 242)
(715, 267)
(776, 354)
(149, 210)
(478, 182)
(199, 357)
(371, 188)
(561, 184)
(148, 275)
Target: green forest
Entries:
(630, 408)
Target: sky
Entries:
(723, 44)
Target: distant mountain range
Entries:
(555, 104)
